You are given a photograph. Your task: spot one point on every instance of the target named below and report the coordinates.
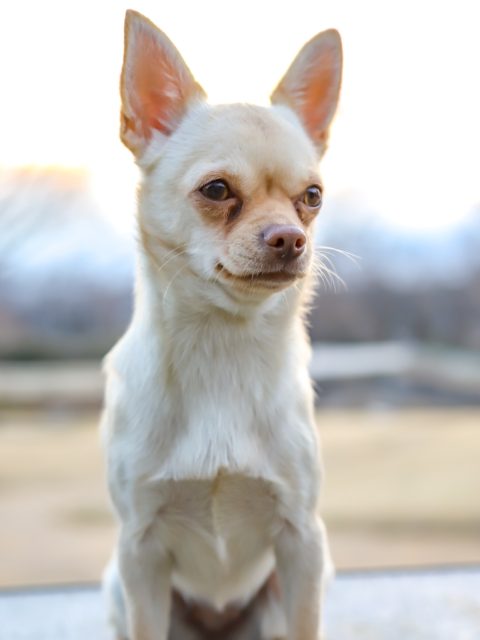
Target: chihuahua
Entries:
(208, 427)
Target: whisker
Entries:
(325, 259)
(169, 256)
(173, 253)
(323, 249)
(177, 273)
(324, 269)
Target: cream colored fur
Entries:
(209, 431)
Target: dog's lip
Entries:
(260, 277)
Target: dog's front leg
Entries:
(299, 557)
(145, 574)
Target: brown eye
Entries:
(216, 190)
(313, 196)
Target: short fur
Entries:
(209, 430)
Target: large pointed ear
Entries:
(311, 86)
(156, 85)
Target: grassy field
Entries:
(401, 488)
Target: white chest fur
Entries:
(219, 535)
(210, 445)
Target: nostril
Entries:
(300, 242)
(278, 243)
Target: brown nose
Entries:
(284, 241)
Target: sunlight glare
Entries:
(406, 138)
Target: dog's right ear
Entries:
(156, 84)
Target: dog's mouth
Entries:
(265, 279)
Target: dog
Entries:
(208, 426)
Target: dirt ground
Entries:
(401, 488)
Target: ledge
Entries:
(441, 604)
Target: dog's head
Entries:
(229, 192)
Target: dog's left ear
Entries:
(156, 85)
(311, 86)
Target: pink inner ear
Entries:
(311, 85)
(156, 83)
(155, 91)
(319, 91)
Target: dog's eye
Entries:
(216, 190)
(313, 196)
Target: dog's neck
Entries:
(215, 357)
(188, 303)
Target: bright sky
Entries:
(406, 142)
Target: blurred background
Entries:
(396, 327)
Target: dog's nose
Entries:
(284, 241)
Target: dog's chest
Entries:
(220, 507)
(224, 413)
(218, 531)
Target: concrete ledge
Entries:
(416, 605)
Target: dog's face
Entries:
(231, 191)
